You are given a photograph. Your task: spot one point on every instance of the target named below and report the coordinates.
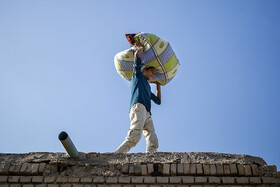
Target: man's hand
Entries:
(138, 51)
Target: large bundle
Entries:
(157, 53)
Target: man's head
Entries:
(149, 72)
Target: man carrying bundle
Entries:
(140, 105)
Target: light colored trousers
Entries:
(141, 121)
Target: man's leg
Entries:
(137, 118)
(150, 135)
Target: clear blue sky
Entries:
(57, 73)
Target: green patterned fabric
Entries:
(157, 53)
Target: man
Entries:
(140, 107)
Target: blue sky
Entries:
(57, 73)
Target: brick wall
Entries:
(65, 172)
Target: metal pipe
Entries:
(68, 145)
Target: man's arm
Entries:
(137, 61)
(157, 98)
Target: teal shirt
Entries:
(140, 88)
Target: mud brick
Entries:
(13, 179)
(242, 180)
(206, 169)
(61, 179)
(248, 171)
(149, 180)
(162, 180)
(131, 169)
(255, 180)
(4, 185)
(150, 168)
(213, 169)
(112, 180)
(28, 185)
(25, 179)
(15, 185)
(193, 169)
(186, 169)
(65, 185)
(141, 185)
(241, 169)
(4, 168)
(42, 167)
(255, 169)
(86, 180)
(28, 169)
(144, 170)
(77, 185)
(40, 185)
(125, 168)
(166, 169)
(53, 185)
(35, 168)
(137, 169)
(199, 170)
(228, 180)
(49, 179)
(137, 180)
(226, 169)
(269, 180)
(73, 179)
(214, 180)
(23, 168)
(98, 180)
(233, 169)
(173, 169)
(37, 179)
(220, 169)
(3, 179)
(188, 180)
(180, 169)
(200, 180)
(125, 180)
(11, 168)
(113, 185)
(175, 180)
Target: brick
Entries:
(13, 179)
(200, 180)
(188, 180)
(4, 168)
(144, 170)
(98, 180)
(173, 169)
(114, 185)
(193, 169)
(180, 169)
(214, 180)
(61, 179)
(241, 169)
(213, 169)
(125, 168)
(65, 185)
(28, 185)
(4, 185)
(53, 185)
(149, 180)
(228, 180)
(15, 185)
(137, 169)
(269, 180)
(73, 179)
(220, 169)
(86, 180)
(248, 171)
(25, 179)
(226, 169)
(42, 167)
(199, 170)
(23, 168)
(242, 180)
(35, 168)
(162, 180)
(49, 179)
(141, 185)
(3, 179)
(137, 180)
(124, 180)
(131, 169)
(233, 169)
(166, 169)
(175, 180)
(37, 179)
(28, 169)
(150, 168)
(255, 169)
(112, 180)
(206, 169)
(186, 169)
(40, 185)
(77, 185)
(255, 180)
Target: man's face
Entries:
(149, 74)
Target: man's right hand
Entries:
(139, 50)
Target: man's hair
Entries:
(147, 68)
